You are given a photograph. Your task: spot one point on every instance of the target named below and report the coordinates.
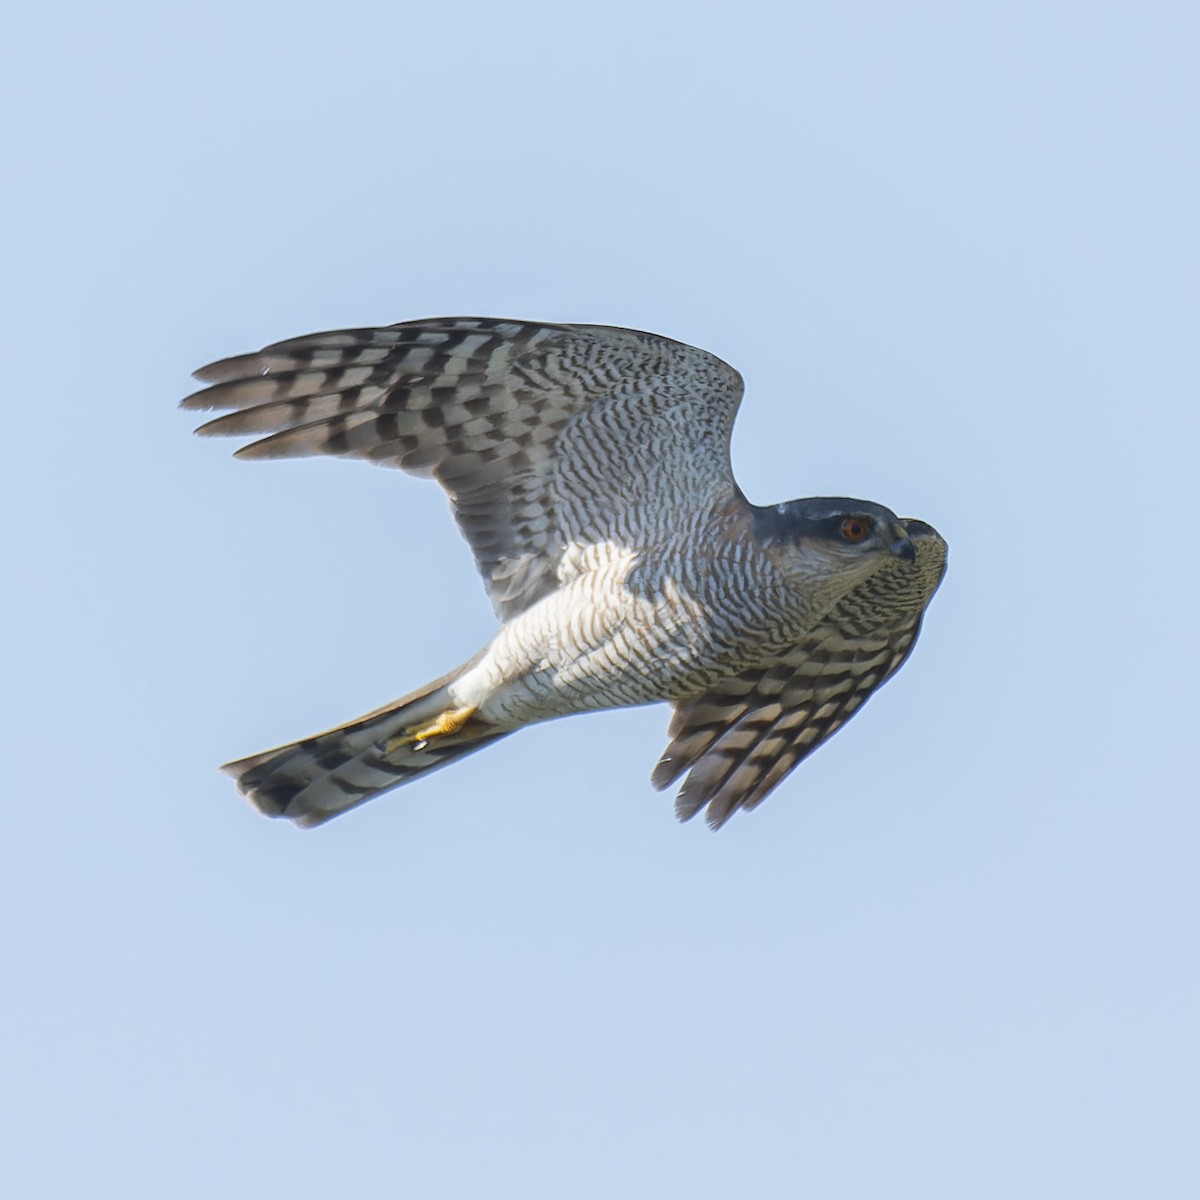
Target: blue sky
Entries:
(954, 251)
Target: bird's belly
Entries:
(593, 645)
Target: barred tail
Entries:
(319, 777)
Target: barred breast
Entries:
(636, 626)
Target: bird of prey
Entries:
(588, 468)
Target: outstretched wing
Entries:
(740, 739)
(542, 435)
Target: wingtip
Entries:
(209, 428)
(716, 817)
(198, 401)
(664, 774)
(237, 366)
(685, 807)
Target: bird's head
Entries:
(832, 537)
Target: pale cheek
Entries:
(819, 563)
(816, 560)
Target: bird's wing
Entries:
(738, 740)
(542, 435)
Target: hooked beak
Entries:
(902, 547)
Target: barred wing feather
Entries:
(542, 435)
(740, 739)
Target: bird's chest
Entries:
(632, 627)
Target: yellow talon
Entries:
(451, 721)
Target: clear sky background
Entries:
(954, 250)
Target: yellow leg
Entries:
(451, 721)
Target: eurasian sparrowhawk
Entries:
(588, 468)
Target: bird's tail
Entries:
(319, 777)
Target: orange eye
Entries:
(854, 529)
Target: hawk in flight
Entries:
(588, 468)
